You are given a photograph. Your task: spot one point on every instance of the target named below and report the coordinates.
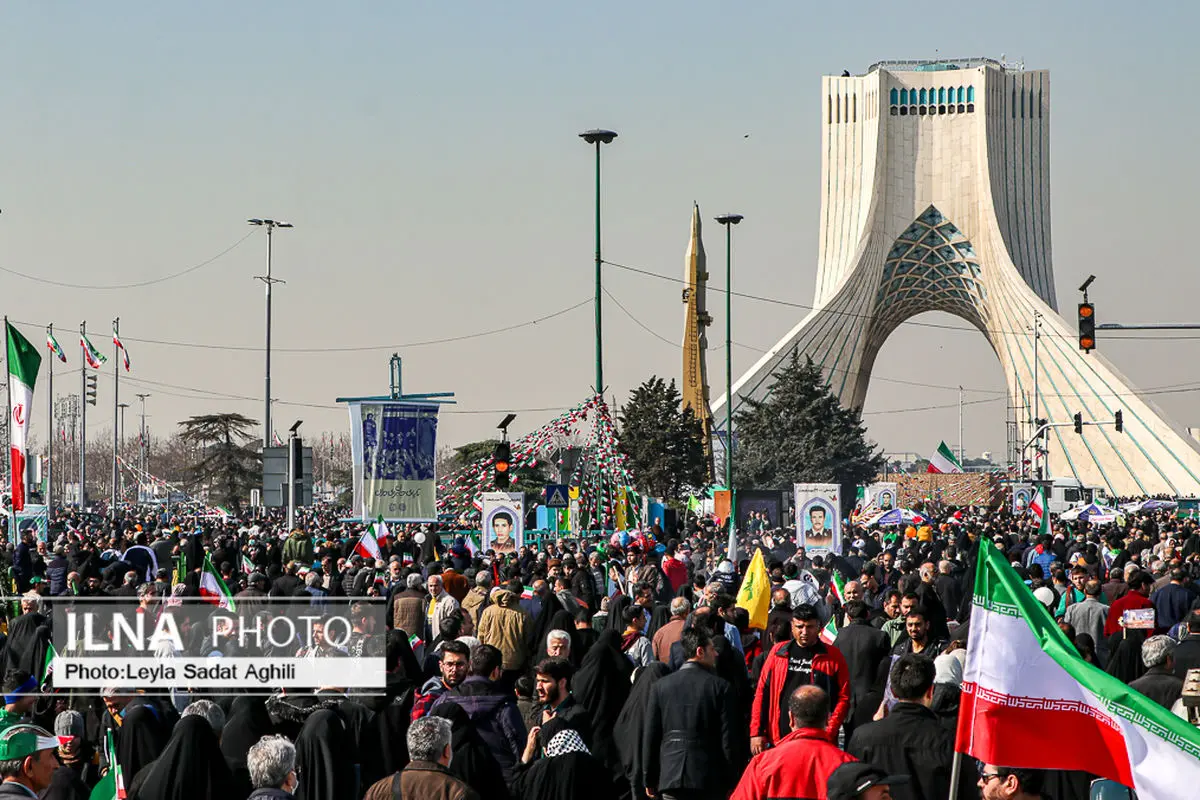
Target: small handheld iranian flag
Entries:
(382, 534)
(213, 589)
(1025, 684)
(48, 666)
(837, 585)
(1037, 507)
(23, 363)
(247, 564)
(112, 785)
(121, 347)
(944, 461)
(829, 632)
(367, 546)
(91, 355)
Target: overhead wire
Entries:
(135, 284)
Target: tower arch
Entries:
(953, 214)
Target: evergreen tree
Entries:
(800, 434)
(230, 464)
(664, 442)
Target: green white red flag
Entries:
(837, 585)
(91, 355)
(121, 347)
(1029, 700)
(54, 347)
(213, 589)
(382, 534)
(368, 546)
(944, 461)
(1037, 507)
(23, 362)
(830, 631)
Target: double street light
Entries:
(270, 225)
(598, 137)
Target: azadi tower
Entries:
(935, 196)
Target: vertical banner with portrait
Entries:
(393, 449)
(881, 496)
(503, 523)
(818, 518)
(1022, 496)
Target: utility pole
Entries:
(962, 454)
(83, 404)
(1037, 335)
(143, 466)
(50, 423)
(116, 412)
(270, 225)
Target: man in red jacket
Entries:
(804, 660)
(801, 764)
(1137, 597)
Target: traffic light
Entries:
(91, 390)
(1087, 327)
(1119, 418)
(502, 459)
(1079, 422)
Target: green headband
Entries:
(23, 740)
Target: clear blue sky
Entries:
(427, 154)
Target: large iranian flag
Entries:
(1037, 507)
(23, 362)
(1029, 700)
(213, 589)
(944, 460)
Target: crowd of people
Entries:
(616, 666)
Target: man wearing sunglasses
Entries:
(1006, 783)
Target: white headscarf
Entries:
(948, 669)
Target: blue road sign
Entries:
(556, 495)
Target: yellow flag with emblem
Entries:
(755, 594)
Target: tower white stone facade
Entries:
(936, 196)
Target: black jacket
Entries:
(56, 574)
(1187, 655)
(949, 591)
(1160, 686)
(912, 741)
(865, 648)
(692, 733)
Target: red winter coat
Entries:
(799, 767)
(829, 671)
(676, 572)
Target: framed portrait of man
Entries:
(818, 518)
(503, 524)
(1022, 494)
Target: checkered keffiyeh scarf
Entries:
(564, 742)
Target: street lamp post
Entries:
(729, 220)
(270, 225)
(598, 137)
(143, 447)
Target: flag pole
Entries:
(116, 411)
(955, 773)
(12, 508)
(50, 428)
